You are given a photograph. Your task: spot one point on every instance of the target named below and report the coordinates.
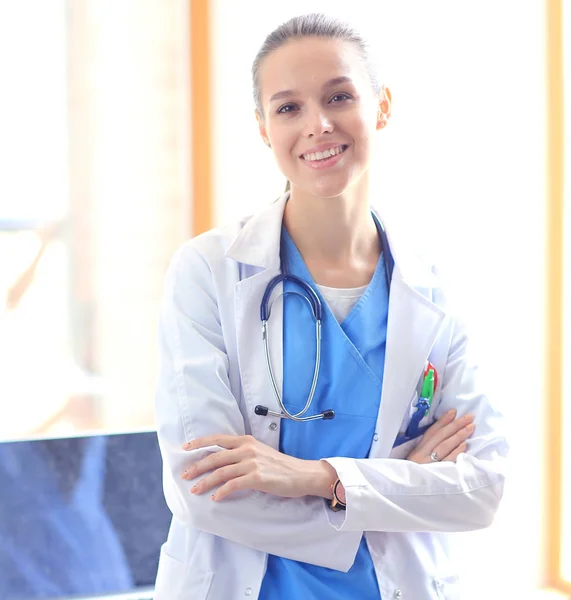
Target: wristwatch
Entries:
(336, 505)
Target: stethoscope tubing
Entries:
(286, 414)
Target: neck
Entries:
(336, 231)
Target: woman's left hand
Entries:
(248, 464)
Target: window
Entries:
(94, 200)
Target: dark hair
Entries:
(311, 25)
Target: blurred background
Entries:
(127, 126)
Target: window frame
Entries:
(555, 171)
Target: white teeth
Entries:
(325, 154)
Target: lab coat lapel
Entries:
(257, 250)
(256, 383)
(413, 324)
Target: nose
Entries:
(317, 122)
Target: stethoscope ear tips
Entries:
(261, 410)
(328, 414)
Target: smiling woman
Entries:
(400, 443)
(332, 101)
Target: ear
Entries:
(387, 102)
(262, 128)
(385, 106)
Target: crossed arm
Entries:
(273, 502)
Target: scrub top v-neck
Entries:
(350, 382)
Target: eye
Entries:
(286, 108)
(342, 96)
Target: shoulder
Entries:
(420, 267)
(207, 251)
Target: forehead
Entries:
(310, 62)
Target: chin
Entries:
(329, 189)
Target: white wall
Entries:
(33, 105)
(464, 154)
(138, 73)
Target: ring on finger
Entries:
(434, 457)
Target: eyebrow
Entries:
(331, 83)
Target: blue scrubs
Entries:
(350, 382)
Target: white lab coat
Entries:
(213, 374)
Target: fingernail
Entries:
(468, 417)
(213, 497)
(469, 428)
(451, 412)
(194, 489)
(187, 446)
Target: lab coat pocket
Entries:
(411, 409)
(178, 581)
(449, 588)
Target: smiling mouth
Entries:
(322, 156)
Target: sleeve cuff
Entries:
(354, 483)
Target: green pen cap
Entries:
(428, 386)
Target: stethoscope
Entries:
(311, 297)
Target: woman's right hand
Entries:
(447, 438)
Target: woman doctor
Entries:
(266, 506)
